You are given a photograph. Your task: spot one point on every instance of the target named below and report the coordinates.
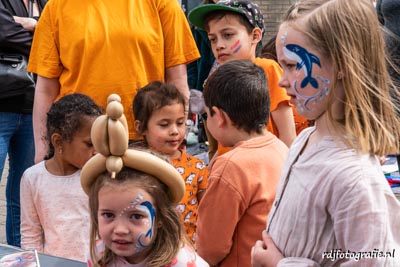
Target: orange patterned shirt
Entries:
(195, 174)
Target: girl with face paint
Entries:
(134, 223)
(334, 206)
(132, 199)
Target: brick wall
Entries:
(273, 11)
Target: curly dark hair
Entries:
(66, 117)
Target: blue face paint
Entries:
(133, 203)
(304, 60)
(147, 208)
(304, 100)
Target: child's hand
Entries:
(265, 253)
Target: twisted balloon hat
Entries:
(110, 138)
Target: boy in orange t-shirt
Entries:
(235, 29)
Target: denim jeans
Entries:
(16, 140)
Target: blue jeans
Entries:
(16, 140)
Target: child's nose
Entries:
(173, 130)
(220, 44)
(121, 228)
(283, 82)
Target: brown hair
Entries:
(239, 87)
(169, 237)
(152, 97)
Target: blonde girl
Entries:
(334, 206)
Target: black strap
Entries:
(30, 8)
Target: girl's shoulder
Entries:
(187, 158)
(187, 257)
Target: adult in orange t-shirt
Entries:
(99, 48)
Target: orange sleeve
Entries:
(273, 72)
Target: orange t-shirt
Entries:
(277, 94)
(103, 47)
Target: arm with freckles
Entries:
(45, 93)
(177, 76)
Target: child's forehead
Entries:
(123, 195)
(226, 16)
(123, 189)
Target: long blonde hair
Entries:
(348, 32)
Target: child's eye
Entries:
(289, 66)
(137, 216)
(212, 40)
(107, 215)
(163, 125)
(228, 35)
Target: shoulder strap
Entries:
(30, 8)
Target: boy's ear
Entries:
(256, 35)
(222, 117)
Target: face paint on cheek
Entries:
(305, 61)
(320, 93)
(133, 203)
(236, 47)
(284, 37)
(145, 238)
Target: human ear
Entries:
(221, 117)
(57, 141)
(138, 126)
(256, 35)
